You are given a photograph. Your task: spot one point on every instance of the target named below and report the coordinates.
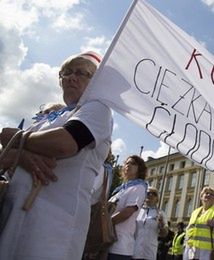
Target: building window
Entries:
(165, 206)
(180, 182)
(193, 180)
(159, 184)
(176, 209)
(161, 169)
(151, 183)
(171, 167)
(188, 207)
(192, 163)
(152, 171)
(169, 183)
(206, 178)
(182, 164)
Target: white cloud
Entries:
(210, 3)
(66, 22)
(160, 152)
(25, 91)
(12, 49)
(118, 146)
(23, 14)
(51, 6)
(17, 14)
(97, 44)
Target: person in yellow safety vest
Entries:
(178, 242)
(198, 232)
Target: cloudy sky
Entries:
(37, 35)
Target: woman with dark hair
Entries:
(130, 196)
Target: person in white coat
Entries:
(151, 223)
(65, 153)
(129, 197)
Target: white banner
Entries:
(161, 78)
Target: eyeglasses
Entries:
(78, 73)
(152, 193)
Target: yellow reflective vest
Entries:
(198, 232)
(177, 244)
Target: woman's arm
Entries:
(57, 142)
(124, 214)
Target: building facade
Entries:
(179, 181)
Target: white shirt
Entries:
(201, 254)
(132, 196)
(55, 227)
(146, 243)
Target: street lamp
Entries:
(141, 149)
(116, 160)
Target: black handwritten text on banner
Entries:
(162, 79)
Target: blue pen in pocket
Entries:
(21, 124)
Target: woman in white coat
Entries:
(65, 152)
(129, 197)
(151, 223)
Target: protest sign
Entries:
(161, 78)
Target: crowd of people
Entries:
(66, 151)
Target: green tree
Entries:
(116, 181)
